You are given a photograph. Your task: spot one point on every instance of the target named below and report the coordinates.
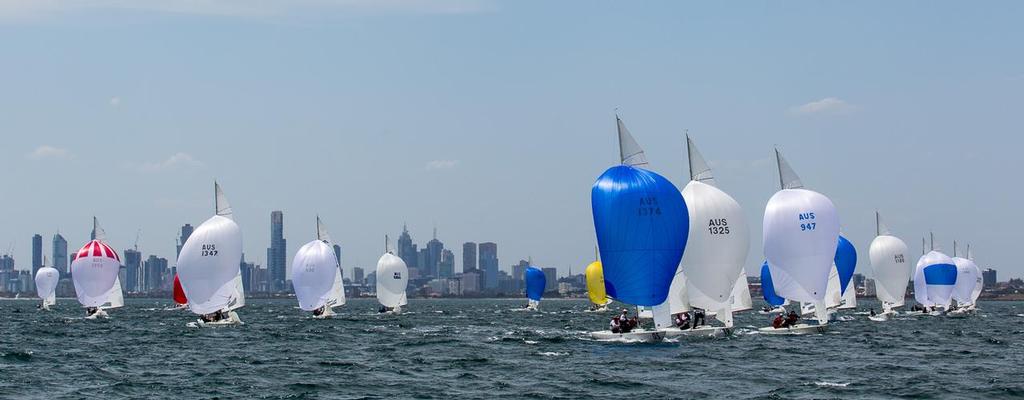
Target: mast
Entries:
(878, 224)
(954, 248)
(932, 235)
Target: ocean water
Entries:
(485, 349)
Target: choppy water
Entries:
(484, 349)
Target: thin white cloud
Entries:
(46, 152)
(115, 101)
(828, 105)
(178, 161)
(441, 164)
(241, 8)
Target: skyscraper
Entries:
(277, 252)
(518, 275)
(988, 278)
(434, 249)
(406, 250)
(468, 256)
(60, 254)
(446, 268)
(247, 270)
(550, 279)
(489, 264)
(357, 276)
(186, 231)
(155, 273)
(37, 253)
(133, 271)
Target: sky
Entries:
(491, 119)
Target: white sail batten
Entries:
(630, 152)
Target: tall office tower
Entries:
(468, 256)
(133, 271)
(247, 270)
(988, 278)
(60, 255)
(550, 279)
(446, 268)
(37, 253)
(156, 273)
(406, 250)
(434, 249)
(518, 275)
(357, 276)
(277, 252)
(186, 231)
(489, 264)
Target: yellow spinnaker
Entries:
(595, 284)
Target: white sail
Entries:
(678, 300)
(833, 291)
(221, 205)
(97, 232)
(717, 245)
(237, 299)
(314, 272)
(920, 289)
(336, 297)
(939, 291)
(321, 231)
(699, 169)
(741, 300)
(979, 283)
(208, 266)
(966, 280)
(94, 273)
(630, 152)
(392, 280)
(115, 297)
(46, 284)
(888, 256)
(849, 299)
(800, 236)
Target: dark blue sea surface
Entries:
(487, 349)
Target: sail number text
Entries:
(899, 259)
(648, 206)
(209, 250)
(718, 226)
(806, 223)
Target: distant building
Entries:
(37, 253)
(489, 264)
(446, 268)
(518, 275)
(432, 258)
(357, 275)
(186, 231)
(858, 281)
(468, 256)
(133, 271)
(277, 253)
(470, 282)
(60, 255)
(248, 271)
(988, 277)
(155, 274)
(869, 288)
(407, 250)
(550, 279)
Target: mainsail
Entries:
(94, 271)
(178, 292)
(800, 232)
(888, 256)
(208, 266)
(699, 169)
(630, 152)
(741, 300)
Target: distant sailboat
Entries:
(717, 245)
(316, 275)
(595, 286)
(979, 283)
(208, 267)
(801, 233)
(934, 278)
(641, 223)
(392, 281)
(967, 274)
(94, 273)
(535, 283)
(888, 255)
(46, 285)
(178, 294)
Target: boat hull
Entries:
(231, 320)
(637, 336)
(799, 329)
(704, 331)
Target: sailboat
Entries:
(768, 292)
(887, 254)
(594, 274)
(801, 234)
(178, 294)
(934, 279)
(717, 241)
(94, 273)
(535, 283)
(963, 291)
(46, 285)
(979, 283)
(316, 275)
(208, 267)
(642, 224)
(392, 281)
(838, 293)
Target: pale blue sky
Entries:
(492, 119)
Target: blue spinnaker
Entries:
(642, 223)
(846, 263)
(535, 283)
(768, 289)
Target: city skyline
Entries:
(498, 135)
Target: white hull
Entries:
(636, 336)
(231, 320)
(773, 311)
(597, 310)
(958, 313)
(798, 329)
(704, 331)
(99, 314)
(328, 313)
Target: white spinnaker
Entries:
(833, 291)
(741, 300)
(979, 284)
(115, 297)
(920, 288)
(936, 294)
(888, 256)
(966, 280)
(209, 264)
(849, 298)
(801, 232)
(314, 271)
(392, 280)
(94, 272)
(46, 284)
(716, 247)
